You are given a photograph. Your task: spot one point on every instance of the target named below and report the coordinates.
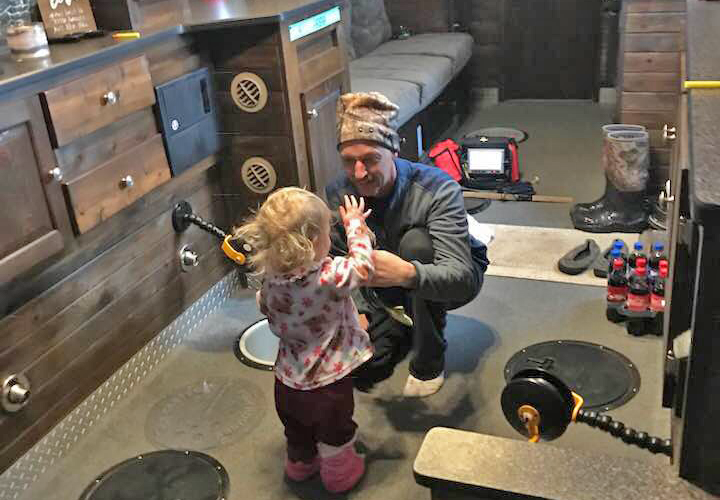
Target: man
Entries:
(425, 262)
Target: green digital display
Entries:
(314, 24)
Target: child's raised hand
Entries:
(353, 209)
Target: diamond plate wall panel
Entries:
(56, 444)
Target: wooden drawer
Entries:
(98, 194)
(82, 106)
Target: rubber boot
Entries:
(624, 207)
(341, 467)
(582, 209)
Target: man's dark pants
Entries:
(391, 339)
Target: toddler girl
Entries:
(306, 298)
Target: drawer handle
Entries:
(55, 175)
(127, 182)
(111, 98)
(313, 113)
(669, 133)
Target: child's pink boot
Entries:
(341, 466)
(300, 471)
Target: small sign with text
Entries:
(64, 18)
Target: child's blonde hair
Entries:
(282, 231)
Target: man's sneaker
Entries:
(416, 388)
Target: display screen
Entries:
(486, 160)
(314, 24)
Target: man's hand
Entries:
(391, 270)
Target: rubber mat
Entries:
(533, 252)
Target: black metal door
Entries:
(551, 49)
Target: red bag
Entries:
(444, 156)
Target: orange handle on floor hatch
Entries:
(579, 402)
(531, 417)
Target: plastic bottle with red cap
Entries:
(617, 287)
(657, 297)
(638, 298)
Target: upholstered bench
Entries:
(412, 72)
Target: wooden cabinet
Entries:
(319, 106)
(33, 217)
(80, 107)
(99, 194)
(322, 77)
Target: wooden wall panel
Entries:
(267, 133)
(655, 22)
(654, 42)
(651, 82)
(486, 25)
(656, 5)
(100, 239)
(420, 16)
(174, 58)
(276, 150)
(485, 68)
(88, 152)
(652, 62)
(71, 322)
(639, 101)
(105, 307)
(652, 39)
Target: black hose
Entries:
(630, 436)
(206, 226)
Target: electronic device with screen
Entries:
(490, 158)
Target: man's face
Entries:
(369, 167)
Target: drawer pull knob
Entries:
(111, 98)
(127, 182)
(669, 133)
(313, 113)
(55, 174)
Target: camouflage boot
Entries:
(624, 207)
(581, 209)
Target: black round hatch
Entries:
(160, 475)
(603, 377)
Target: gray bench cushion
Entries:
(405, 94)
(456, 46)
(370, 25)
(430, 73)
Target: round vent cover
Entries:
(259, 175)
(249, 92)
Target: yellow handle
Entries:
(531, 418)
(126, 35)
(702, 84)
(234, 255)
(579, 402)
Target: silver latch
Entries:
(55, 174)
(15, 393)
(188, 258)
(669, 133)
(127, 182)
(110, 98)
